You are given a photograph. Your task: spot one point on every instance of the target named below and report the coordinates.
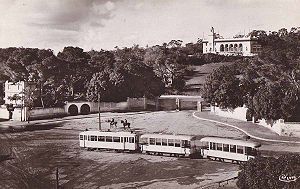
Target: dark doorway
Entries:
(85, 109)
(73, 110)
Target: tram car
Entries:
(177, 145)
(228, 149)
(215, 148)
(123, 141)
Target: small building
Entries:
(244, 46)
(14, 93)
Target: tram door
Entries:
(125, 142)
(84, 138)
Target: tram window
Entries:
(108, 138)
(84, 137)
(177, 143)
(152, 141)
(226, 147)
(81, 137)
(213, 146)
(126, 139)
(93, 138)
(219, 146)
(158, 141)
(164, 142)
(122, 139)
(205, 145)
(101, 138)
(186, 143)
(240, 149)
(116, 139)
(89, 138)
(251, 151)
(233, 148)
(170, 142)
(144, 141)
(131, 139)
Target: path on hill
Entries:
(196, 79)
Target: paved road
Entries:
(253, 130)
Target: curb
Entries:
(252, 136)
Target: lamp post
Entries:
(99, 111)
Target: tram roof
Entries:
(109, 133)
(168, 136)
(231, 141)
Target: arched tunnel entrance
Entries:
(73, 110)
(85, 109)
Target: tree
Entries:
(78, 71)
(34, 65)
(123, 76)
(262, 172)
(223, 87)
(15, 98)
(168, 62)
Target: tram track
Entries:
(19, 173)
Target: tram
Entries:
(215, 148)
(124, 141)
(228, 149)
(177, 145)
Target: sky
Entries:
(105, 24)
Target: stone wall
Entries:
(136, 103)
(43, 113)
(238, 113)
(187, 105)
(18, 114)
(165, 103)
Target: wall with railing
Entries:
(164, 103)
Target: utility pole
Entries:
(99, 111)
(57, 179)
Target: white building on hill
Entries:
(245, 46)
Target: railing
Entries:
(219, 183)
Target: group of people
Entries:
(125, 123)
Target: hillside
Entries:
(196, 79)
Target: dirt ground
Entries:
(36, 154)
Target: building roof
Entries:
(168, 136)
(233, 39)
(108, 133)
(231, 141)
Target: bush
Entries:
(264, 173)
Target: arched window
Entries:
(222, 48)
(231, 47)
(226, 47)
(241, 47)
(235, 47)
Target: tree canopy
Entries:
(270, 172)
(115, 74)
